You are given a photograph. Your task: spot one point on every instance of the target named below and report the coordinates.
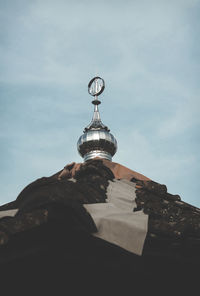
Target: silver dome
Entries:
(97, 143)
(96, 140)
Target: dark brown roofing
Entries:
(49, 244)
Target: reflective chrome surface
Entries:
(96, 141)
(96, 122)
(96, 153)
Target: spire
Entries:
(95, 87)
(97, 141)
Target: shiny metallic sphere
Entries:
(97, 143)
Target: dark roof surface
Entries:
(49, 241)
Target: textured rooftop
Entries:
(63, 221)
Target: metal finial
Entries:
(95, 87)
(96, 141)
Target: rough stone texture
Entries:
(48, 246)
(171, 220)
(38, 202)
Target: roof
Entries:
(50, 227)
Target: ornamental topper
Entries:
(96, 140)
(96, 86)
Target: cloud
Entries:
(183, 118)
(57, 42)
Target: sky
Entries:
(148, 53)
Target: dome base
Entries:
(97, 153)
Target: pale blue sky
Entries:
(148, 53)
